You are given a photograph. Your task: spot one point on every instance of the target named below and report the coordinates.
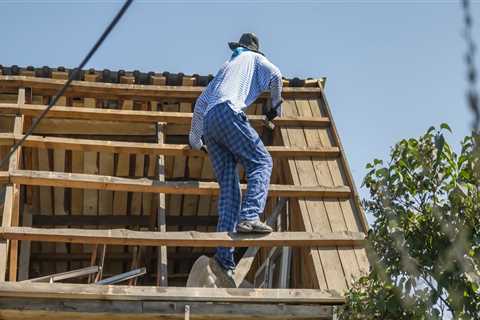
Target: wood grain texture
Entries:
(60, 309)
(127, 115)
(124, 90)
(183, 238)
(195, 164)
(85, 181)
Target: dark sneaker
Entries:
(254, 226)
(225, 276)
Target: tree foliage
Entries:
(425, 240)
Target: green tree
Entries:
(425, 241)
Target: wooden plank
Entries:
(60, 309)
(331, 208)
(153, 293)
(85, 181)
(59, 165)
(137, 91)
(77, 196)
(343, 159)
(93, 128)
(144, 116)
(4, 177)
(24, 261)
(46, 205)
(90, 166)
(162, 260)
(183, 238)
(294, 136)
(6, 222)
(116, 220)
(11, 212)
(195, 164)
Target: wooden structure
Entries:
(107, 191)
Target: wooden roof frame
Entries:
(14, 177)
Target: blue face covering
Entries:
(237, 51)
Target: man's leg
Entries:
(224, 166)
(248, 148)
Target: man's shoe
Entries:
(225, 276)
(254, 226)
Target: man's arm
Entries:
(272, 79)
(196, 130)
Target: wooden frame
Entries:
(306, 150)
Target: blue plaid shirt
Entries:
(239, 82)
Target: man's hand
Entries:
(271, 114)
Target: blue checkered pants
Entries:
(230, 140)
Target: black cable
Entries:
(72, 76)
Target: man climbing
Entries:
(230, 139)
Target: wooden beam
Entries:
(131, 91)
(4, 177)
(11, 211)
(42, 220)
(86, 181)
(162, 260)
(124, 256)
(98, 309)
(144, 116)
(154, 293)
(88, 145)
(184, 238)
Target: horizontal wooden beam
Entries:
(184, 238)
(150, 148)
(60, 256)
(117, 90)
(99, 114)
(4, 177)
(104, 309)
(87, 181)
(153, 293)
(44, 220)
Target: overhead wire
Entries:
(73, 75)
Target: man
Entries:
(229, 138)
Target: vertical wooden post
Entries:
(11, 209)
(59, 165)
(90, 166)
(162, 270)
(24, 260)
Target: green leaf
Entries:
(446, 127)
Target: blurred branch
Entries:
(472, 93)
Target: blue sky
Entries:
(394, 68)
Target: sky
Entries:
(393, 68)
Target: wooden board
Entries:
(85, 181)
(183, 238)
(60, 309)
(195, 163)
(124, 90)
(127, 115)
